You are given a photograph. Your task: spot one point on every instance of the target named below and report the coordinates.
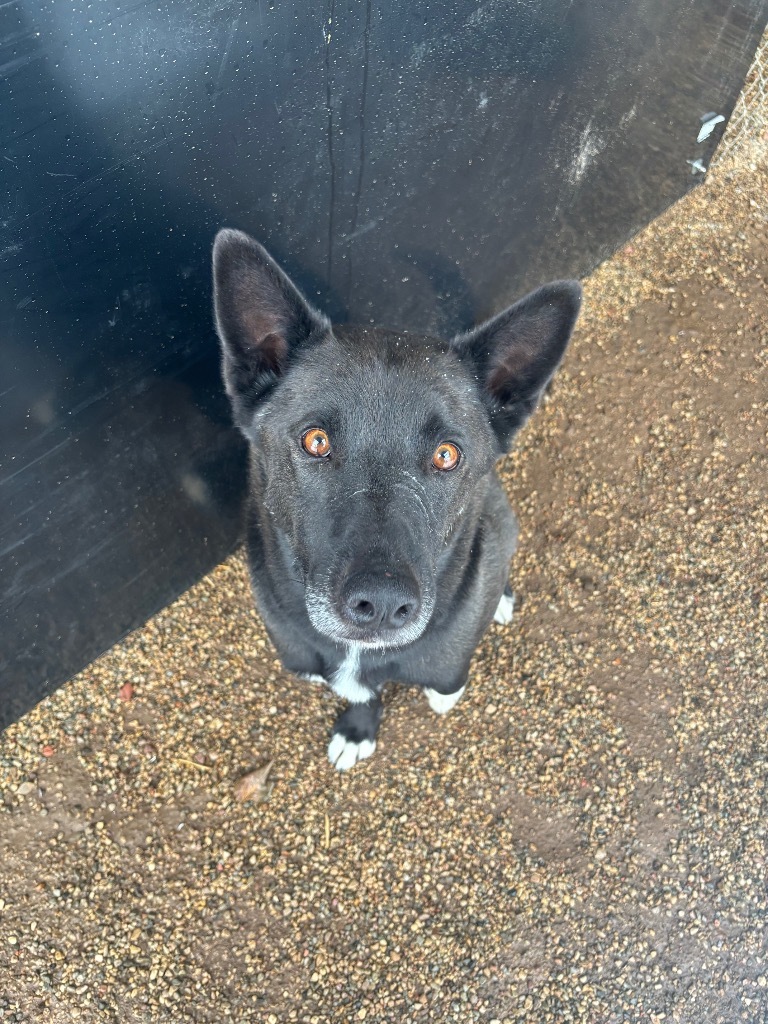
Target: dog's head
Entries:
(370, 447)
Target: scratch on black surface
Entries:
(23, 469)
(34, 128)
(225, 58)
(327, 31)
(361, 168)
(118, 165)
(12, 67)
(122, 14)
(78, 563)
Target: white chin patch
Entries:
(505, 610)
(344, 754)
(441, 703)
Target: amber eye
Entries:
(447, 456)
(316, 442)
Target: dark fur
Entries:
(375, 518)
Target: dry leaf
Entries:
(254, 785)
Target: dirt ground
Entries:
(583, 839)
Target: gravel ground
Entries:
(582, 839)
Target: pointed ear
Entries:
(515, 355)
(261, 318)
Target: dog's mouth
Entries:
(371, 610)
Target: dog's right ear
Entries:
(261, 318)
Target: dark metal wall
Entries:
(412, 163)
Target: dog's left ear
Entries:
(515, 355)
(261, 317)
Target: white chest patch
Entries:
(345, 682)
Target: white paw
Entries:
(505, 610)
(443, 702)
(313, 679)
(344, 754)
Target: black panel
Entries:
(415, 164)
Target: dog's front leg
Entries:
(354, 734)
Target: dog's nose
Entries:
(375, 601)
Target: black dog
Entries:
(379, 535)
